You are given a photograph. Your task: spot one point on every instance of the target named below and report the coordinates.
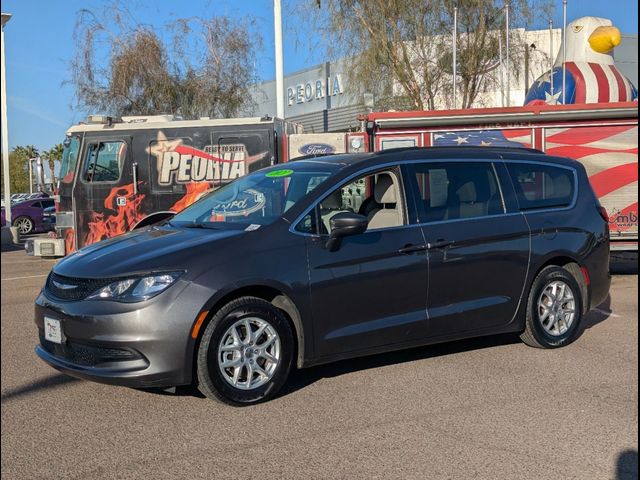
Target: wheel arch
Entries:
(572, 265)
(275, 295)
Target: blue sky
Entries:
(39, 45)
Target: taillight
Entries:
(585, 274)
(603, 213)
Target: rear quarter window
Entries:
(542, 186)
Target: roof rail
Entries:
(311, 155)
(456, 147)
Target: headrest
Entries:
(384, 190)
(562, 186)
(333, 201)
(473, 186)
(467, 193)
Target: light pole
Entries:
(277, 25)
(455, 56)
(506, 9)
(564, 49)
(5, 132)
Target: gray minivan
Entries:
(329, 258)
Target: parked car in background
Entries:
(49, 219)
(27, 215)
(21, 197)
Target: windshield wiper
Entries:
(200, 225)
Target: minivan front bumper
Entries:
(144, 344)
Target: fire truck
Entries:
(603, 137)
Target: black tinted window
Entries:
(541, 186)
(450, 191)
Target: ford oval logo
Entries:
(243, 203)
(316, 149)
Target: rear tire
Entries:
(245, 353)
(554, 309)
(24, 225)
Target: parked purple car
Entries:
(27, 215)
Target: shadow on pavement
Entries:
(11, 247)
(627, 465)
(596, 316)
(47, 383)
(302, 378)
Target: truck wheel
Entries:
(554, 309)
(245, 353)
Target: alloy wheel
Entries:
(556, 308)
(24, 225)
(249, 353)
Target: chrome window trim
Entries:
(497, 177)
(398, 163)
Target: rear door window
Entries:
(453, 191)
(542, 186)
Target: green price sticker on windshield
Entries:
(279, 173)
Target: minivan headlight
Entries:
(136, 289)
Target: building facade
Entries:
(321, 99)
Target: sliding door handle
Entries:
(409, 249)
(440, 243)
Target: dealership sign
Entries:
(315, 90)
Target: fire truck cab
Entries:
(121, 174)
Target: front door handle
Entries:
(440, 243)
(409, 249)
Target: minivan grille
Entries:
(69, 288)
(87, 355)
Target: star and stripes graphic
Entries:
(610, 156)
(515, 138)
(585, 82)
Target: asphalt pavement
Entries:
(488, 408)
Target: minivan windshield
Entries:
(257, 199)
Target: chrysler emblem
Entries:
(63, 286)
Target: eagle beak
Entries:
(604, 39)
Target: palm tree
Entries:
(51, 155)
(28, 151)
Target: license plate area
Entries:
(52, 330)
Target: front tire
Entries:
(554, 309)
(245, 353)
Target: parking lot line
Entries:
(604, 312)
(28, 276)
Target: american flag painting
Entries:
(610, 155)
(585, 82)
(514, 138)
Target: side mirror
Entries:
(343, 225)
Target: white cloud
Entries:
(27, 106)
